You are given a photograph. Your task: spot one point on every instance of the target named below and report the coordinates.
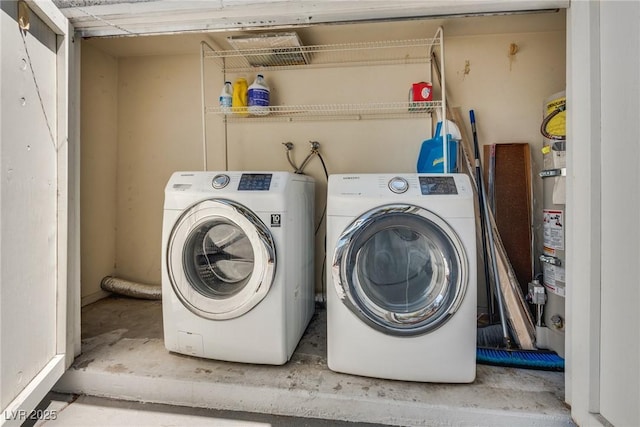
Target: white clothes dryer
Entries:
(401, 287)
(237, 264)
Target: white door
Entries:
(620, 154)
(603, 377)
(34, 197)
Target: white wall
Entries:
(159, 132)
(99, 131)
(507, 93)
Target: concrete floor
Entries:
(89, 411)
(123, 357)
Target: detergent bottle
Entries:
(258, 95)
(239, 97)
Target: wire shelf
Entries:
(335, 111)
(284, 51)
(389, 52)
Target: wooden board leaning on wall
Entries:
(510, 176)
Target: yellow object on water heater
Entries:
(557, 126)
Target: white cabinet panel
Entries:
(620, 348)
(33, 212)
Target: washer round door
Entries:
(402, 269)
(221, 259)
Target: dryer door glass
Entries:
(221, 259)
(402, 269)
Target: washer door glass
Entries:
(218, 258)
(401, 268)
(221, 259)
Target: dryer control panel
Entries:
(437, 185)
(402, 185)
(448, 195)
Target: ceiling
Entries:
(98, 18)
(189, 42)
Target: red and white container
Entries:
(422, 91)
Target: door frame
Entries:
(68, 136)
(67, 235)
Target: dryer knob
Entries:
(398, 185)
(220, 181)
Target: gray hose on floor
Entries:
(131, 289)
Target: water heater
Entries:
(550, 328)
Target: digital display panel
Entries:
(437, 185)
(255, 182)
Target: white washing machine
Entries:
(237, 264)
(401, 287)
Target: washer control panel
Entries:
(220, 181)
(398, 185)
(255, 182)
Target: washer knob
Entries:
(398, 185)
(220, 181)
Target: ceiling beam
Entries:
(108, 18)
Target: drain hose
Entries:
(131, 289)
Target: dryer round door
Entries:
(221, 259)
(402, 269)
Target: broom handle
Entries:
(483, 226)
(489, 229)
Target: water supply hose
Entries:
(545, 122)
(315, 145)
(288, 146)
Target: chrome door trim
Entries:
(352, 295)
(264, 268)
